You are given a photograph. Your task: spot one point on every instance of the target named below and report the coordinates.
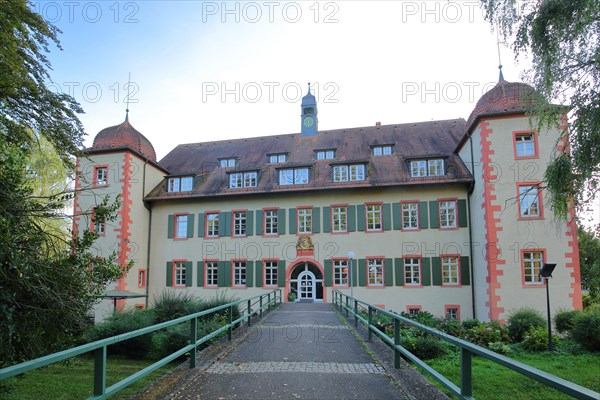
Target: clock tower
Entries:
(309, 115)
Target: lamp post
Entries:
(546, 272)
(351, 255)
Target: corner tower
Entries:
(309, 115)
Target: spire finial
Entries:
(501, 75)
(308, 87)
(127, 109)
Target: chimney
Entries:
(378, 124)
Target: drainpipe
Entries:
(149, 233)
(471, 252)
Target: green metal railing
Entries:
(247, 308)
(351, 306)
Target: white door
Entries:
(306, 285)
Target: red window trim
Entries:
(455, 227)
(233, 261)
(174, 273)
(204, 267)
(382, 258)
(535, 144)
(142, 271)
(264, 221)
(333, 260)
(233, 212)
(95, 176)
(413, 307)
(93, 225)
(527, 285)
(418, 228)
(374, 203)
(453, 285)
(206, 213)
(540, 200)
(411, 285)
(175, 217)
(448, 306)
(298, 233)
(331, 207)
(264, 272)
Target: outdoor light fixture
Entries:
(351, 255)
(545, 273)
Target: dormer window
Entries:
(243, 180)
(325, 154)
(345, 173)
(382, 150)
(293, 176)
(277, 158)
(422, 168)
(180, 184)
(227, 162)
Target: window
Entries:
(375, 272)
(412, 271)
(413, 310)
(339, 216)
(180, 184)
(340, 272)
(271, 222)
(181, 226)
(304, 220)
(99, 227)
(529, 201)
(142, 278)
(374, 217)
(239, 223)
(101, 176)
(293, 176)
(525, 145)
(452, 312)
(243, 180)
(227, 162)
(239, 273)
(450, 271)
(532, 265)
(325, 154)
(447, 214)
(382, 150)
(212, 225)
(410, 215)
(277, 158)
(270, 273)
(179, 272)
(211, 273)
(345, 173)
(421, 168)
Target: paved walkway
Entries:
(298, 351)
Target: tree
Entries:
(563, 39)
(49, 279)
(589, 258)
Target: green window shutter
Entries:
(436, 270)
(362, 272)
(426, 271)
(399, 270)
(465, 268)
(224, 274)
(387, 217)
(227, 278)
(354, 271)
(360, 217)
(397, 216)
(169, 274)
(462, 213)
(259, 273)
(281, 273)
(351, 218)
(434, 214)
(388, 272)
(250, 273)
(328, 273)
(316, 220)
(225, 223)
(259, 222)
(423, 213)
(326, 219)
(170, 226)
(201, 225)
(249, 223)
(281, 222)
(189, 273)
(292, 221)
(190, 225)
(200, 275)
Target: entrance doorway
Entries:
(306, 282)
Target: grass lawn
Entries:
(492, 381)
(74, 380)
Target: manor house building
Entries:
(448, 216)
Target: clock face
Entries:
(308, 122)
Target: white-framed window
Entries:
(410, 215)
(532, 265)
(357, 172)
(382, 150)
(243, 180)
(181, 226)
(212, 225)
(418, 168)
(227, 162)
(435, 167)
(448, 214)
(239, 223)
(180, 184)
(325, 154)
(414, 311)
(375, 271)
(239, 273)
(99, 227)
(525, 144)
(141, 278)
(421, 168)
(340, 173)
(277, 158)
(271, 222)
(412, 271)
(293, 176)
(340, 273)
(345, 173)
(452, 313)
(529, 201)
(339, 217)
(179, 272)
(304, 220)
(450, 271)
(101, 178)
(211, 272)
(271, 273)
(374, 217)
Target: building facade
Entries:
(445, 216)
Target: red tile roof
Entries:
(124, 135)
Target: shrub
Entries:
(564, 321)
(424, 347)
(487, 333)
(500, 348)
(536, 339)
(451, 326)
(521, 320)
(586, 331)
(169, 305)
(470, 324)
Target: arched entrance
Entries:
(306, 282)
